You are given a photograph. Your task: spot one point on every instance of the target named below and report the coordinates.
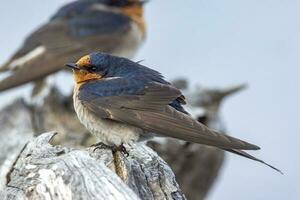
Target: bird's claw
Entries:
(101, 145)
(120, 148)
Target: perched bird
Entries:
(112, 26)
(120, 101)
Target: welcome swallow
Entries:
(120, 101)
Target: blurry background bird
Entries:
(112, 26)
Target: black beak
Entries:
(72, 66)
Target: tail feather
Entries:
(246, 155)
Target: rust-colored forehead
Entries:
(85, 61)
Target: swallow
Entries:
(123, 102)
(113, 26)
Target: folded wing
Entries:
(147, 105)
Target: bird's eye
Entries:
(93, 68)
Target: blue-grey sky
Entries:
(218, 43)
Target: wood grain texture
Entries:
(43, 171)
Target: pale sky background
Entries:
(217, 43)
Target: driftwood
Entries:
(43, 171)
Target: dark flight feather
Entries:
(247, 155)
(148, 105)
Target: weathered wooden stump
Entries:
(43, 171)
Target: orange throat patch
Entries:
(82, 76)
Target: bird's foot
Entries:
(118, 153)
(101, 145)
(120, 148)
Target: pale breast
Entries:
(107, 131)
(131, 42)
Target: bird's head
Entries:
(91, 67)
(131, 8)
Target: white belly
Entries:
(131, 43)
(106, 131)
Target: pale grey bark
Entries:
(43, 171)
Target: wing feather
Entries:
(148, 107)
(247, 155)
